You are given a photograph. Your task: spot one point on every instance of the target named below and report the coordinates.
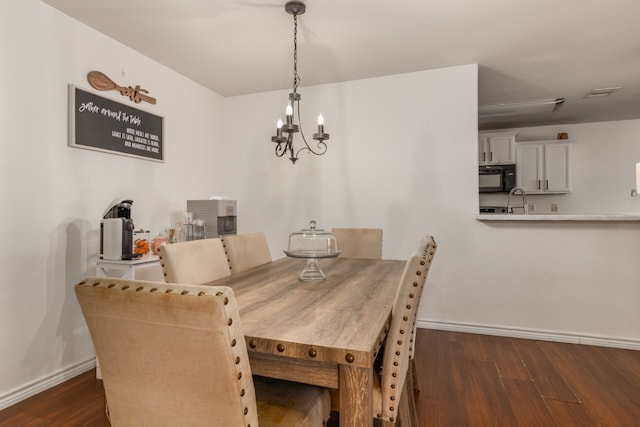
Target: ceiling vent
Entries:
(521, 107)
(602, 92)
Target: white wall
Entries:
(603, 167)
(403, 156)
(53, 196)
(394, 144)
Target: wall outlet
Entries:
(554, 207)
(532, 207)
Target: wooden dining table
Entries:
(327, 332)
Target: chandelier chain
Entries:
(296, 77)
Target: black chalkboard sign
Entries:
(98, 123)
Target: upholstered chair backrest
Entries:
(194, 262)
(171, 355)
(398, 344)
(245, 251)
(365, 243)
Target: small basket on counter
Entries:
(141, 245)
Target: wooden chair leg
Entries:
(411, 401)
(107, 417)
(414, 375)
(407, 415)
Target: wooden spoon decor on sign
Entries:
(100, 81)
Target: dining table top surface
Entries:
(341, 319)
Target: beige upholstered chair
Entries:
(415, 379)
(245, 251)
(393, 386)
(398, 367)
(359, 242)
(175, 355)
(194, 262)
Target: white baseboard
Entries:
(21, 393)
(530, 334)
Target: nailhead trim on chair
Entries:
(184, 290)
(162, 265)
(425, 263)
(226, 252)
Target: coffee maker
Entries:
(116, 232)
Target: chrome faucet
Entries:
(525, 206)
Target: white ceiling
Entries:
(526, 49)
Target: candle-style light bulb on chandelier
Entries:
(285, 131)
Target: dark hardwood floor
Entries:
(479, 380)
(466, 380)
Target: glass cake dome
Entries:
(312, 243)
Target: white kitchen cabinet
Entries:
(496, 148)
(544, 166)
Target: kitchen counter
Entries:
(560, 217)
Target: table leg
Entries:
(356, 396)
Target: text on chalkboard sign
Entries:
(98, 123)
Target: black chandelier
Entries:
(285, 131)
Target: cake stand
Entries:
(312, 270)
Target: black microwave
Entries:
(497, 178)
